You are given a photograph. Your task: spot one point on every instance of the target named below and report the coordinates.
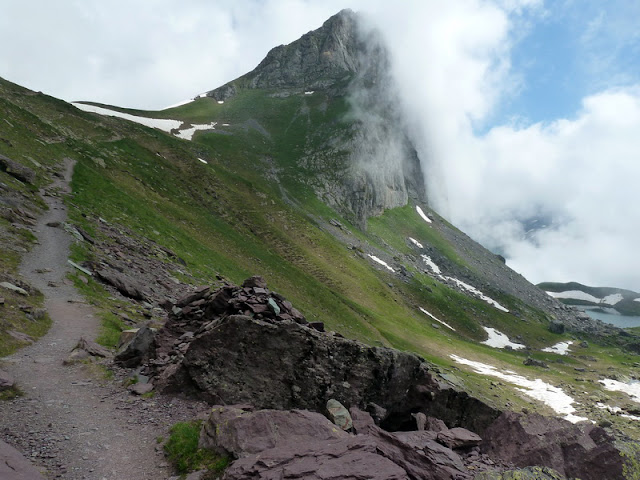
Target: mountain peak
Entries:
(317, 60)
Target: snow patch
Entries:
(415, 242)
(220, 102)
(203, 161)
(575, 295)
(544, 392)
(431, 264)
(498, 339)
(636, 299)
(422, 214)
(381, 262)
(437, 319)
(616, 411)
(310, 92)
(477, 293)
(612, 299)
(225, 124)
(631, 389)
(561, 348)
(187, 133)
(160, 123)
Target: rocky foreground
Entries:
(276, 380)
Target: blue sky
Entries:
(517, 107)
(569, 51)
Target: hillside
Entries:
(280, 174)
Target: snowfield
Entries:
(160, 123)
(437, 319)
(431, 264)
(477, 293)
(499, 340)
(575, 295)
(631, 389)
(415, 242)
(422, 214)
(163, 124)
(551, 396)
(561, 348)
(381, 262)
(612, 299)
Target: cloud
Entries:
(557, 198)
(146, 54)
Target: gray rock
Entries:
(125, 285)
(13, 466)
(139, 349)
(92, 348)
(255, 282)
(556, 327)
(141, 388)
(16, 170)
(14, 288)
(6, 381)
(339, 415)
(532, 362)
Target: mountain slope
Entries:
(276, 188)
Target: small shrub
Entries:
(11, 393)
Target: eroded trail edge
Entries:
(70, 422)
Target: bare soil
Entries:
(71, 421)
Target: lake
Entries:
(612, 317)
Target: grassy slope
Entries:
(230, 217)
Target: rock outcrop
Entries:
(248, 345)
(287, 444)
(580, 451)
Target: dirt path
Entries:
(69, 421)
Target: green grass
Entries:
(11, 393)
(183, 452)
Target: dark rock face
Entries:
(140, 348)
(278, 360)
(285, 365)
(585, 452)
(16, 170)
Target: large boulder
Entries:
(285, 365)
(16, 170)
(6, 381)
(582, 450)
(238, 431)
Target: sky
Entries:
(525, 113)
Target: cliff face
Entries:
(368, 164)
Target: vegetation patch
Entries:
(183, 452)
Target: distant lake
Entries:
(612, 317)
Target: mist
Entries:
(558, 199)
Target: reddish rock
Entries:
(582, 450)
(458, 438)
(13, 466)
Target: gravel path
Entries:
(70, 422)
